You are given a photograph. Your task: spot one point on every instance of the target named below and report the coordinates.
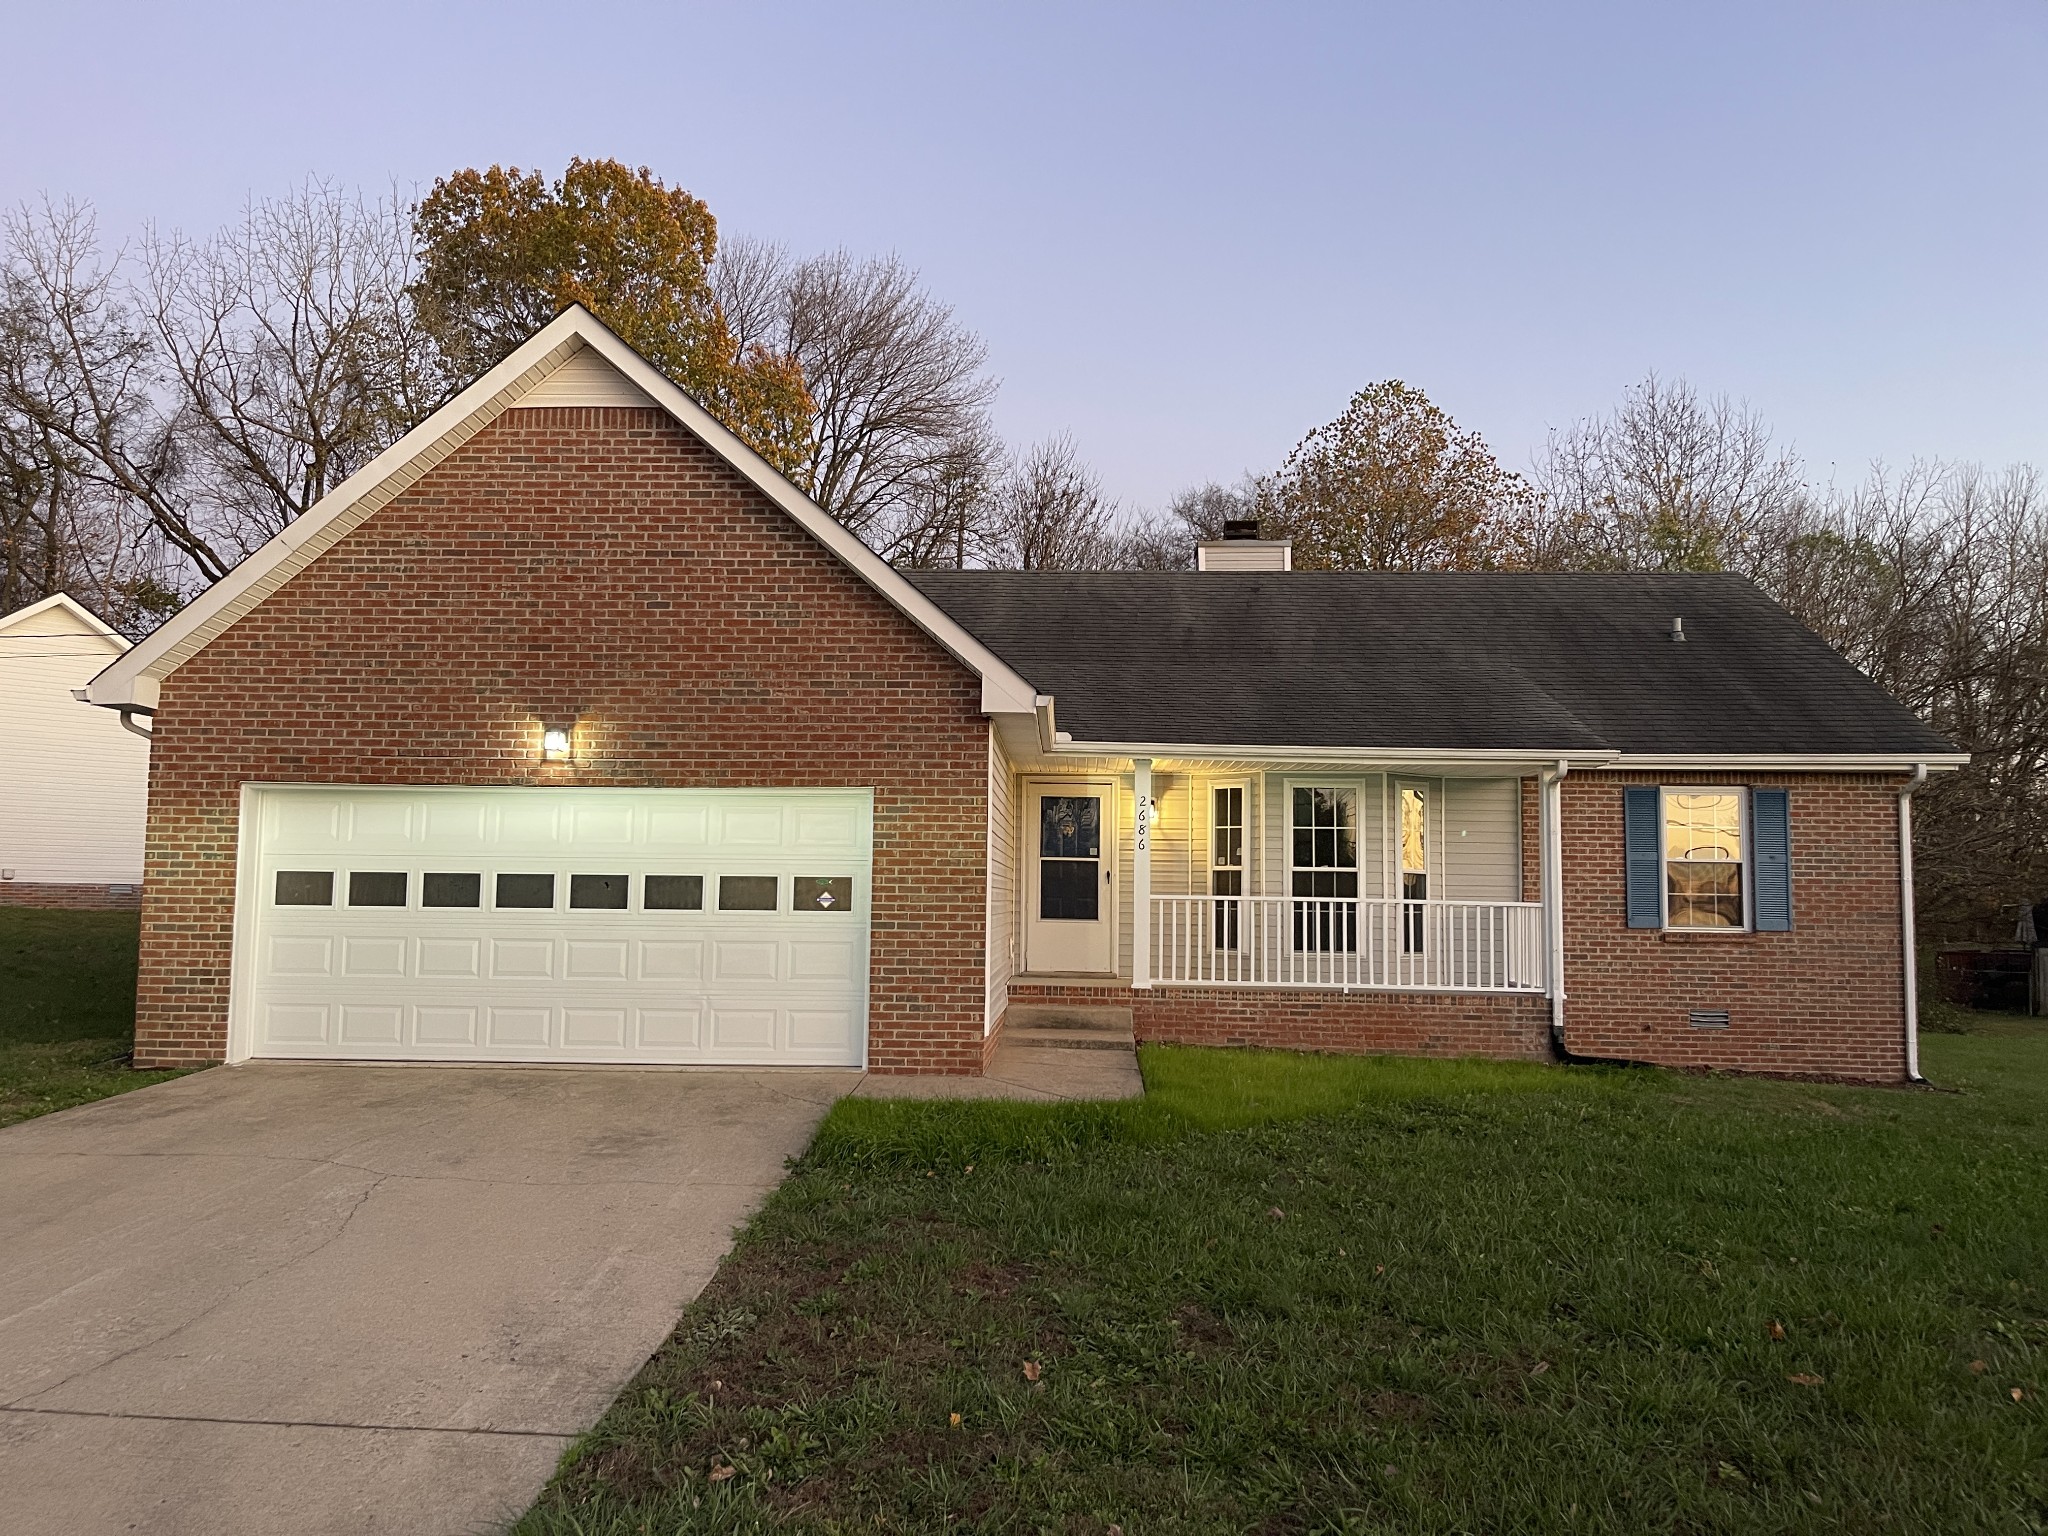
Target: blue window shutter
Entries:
(1770, 837)
(1642, 822)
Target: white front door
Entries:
(554, 925)
(1070, 876)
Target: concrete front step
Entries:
(1070, 1039)
(1092, 1019)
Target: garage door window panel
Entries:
(305, 887)
(439, 889)
(822, 893)
(377, 888)
(748, 893)
(525, 892)
(673, 893)
(598, 893)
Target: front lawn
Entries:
(67, 1009)
(1286, 1293)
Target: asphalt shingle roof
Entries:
(1448, 661)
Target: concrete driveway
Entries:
(288, 1299)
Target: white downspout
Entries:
(1141, 875)
(1550, 853)
(1912, 967)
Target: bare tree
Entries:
(1202, 510)
(1668, 482)
(900, 431)
(943, 519)
(1050, 514)
(218, 389)
(290, 346)
(80, 378)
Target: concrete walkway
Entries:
(1048, 1052)
(323, 1299)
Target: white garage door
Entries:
(564, 925)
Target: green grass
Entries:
(1287, 1293)
(67, 1009)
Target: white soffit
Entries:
(578, 335)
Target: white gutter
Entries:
(1796, 762)
(1048, 729)
(1529, 760)
(1912, 966)
(1550, 805)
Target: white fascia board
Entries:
(1577, 757)
(133, 679)
(1795, 762)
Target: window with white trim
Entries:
(1324, 866)
(1226, 860)
(1413, 843)
(1703, 858)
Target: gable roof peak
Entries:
(134, 679)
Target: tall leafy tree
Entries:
(502, 251)
(1394, 484)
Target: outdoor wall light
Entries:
(554, 744)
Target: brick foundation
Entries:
(1506, 1026)
(76, 898)
(600, 564)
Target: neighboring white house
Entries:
(74, 784)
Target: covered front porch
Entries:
(1375, 902)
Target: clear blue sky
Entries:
(1190, 232)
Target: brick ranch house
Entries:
(569, 731)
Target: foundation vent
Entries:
(1709, 1018)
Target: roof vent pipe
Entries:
(1678, 629)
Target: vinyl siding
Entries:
(1482, 840)
(74, 786)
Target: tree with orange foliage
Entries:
(1395, 485)
(502, 252)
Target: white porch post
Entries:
(1141, 876)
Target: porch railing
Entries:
(1347, 943)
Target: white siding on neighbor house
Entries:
(74, 786)
(1003, 911)
(1482, 840)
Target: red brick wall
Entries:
(1825, 998)
(600, 564)
(79, 898)
(1397, 1023)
